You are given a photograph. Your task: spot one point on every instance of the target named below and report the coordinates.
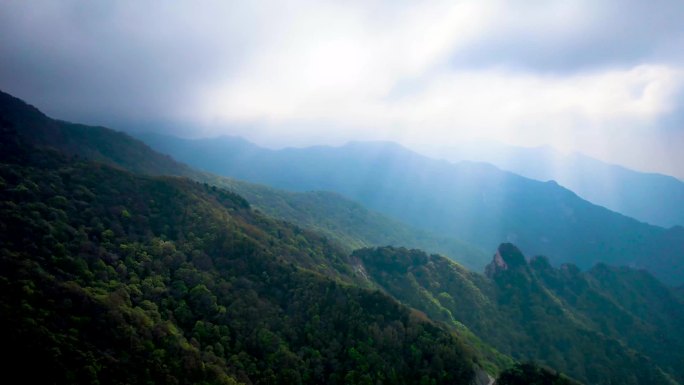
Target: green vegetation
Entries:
(114, 278)
(604, 326)
(348, 223)
(474, 202)
(531, 374)
(109, 276)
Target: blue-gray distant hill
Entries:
(476, 202)
(654, 198)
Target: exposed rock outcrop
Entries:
(507, 256)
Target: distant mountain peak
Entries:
(512, 255)
(11, 103)
(507, 257)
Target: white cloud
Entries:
(455, 105)
(306, 72)
(330, 55)
(345, 66)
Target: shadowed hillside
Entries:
(109, 277)
(331, 214)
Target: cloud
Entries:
(325, 54)
(453, 106)
(303, 72)
(99, 60)
(562, 36)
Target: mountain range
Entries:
(475, 202)
(114, 277)
(121, 265)
(333, 215)
(649, 197)
(571, 320)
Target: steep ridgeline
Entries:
(605, 326)
(20, 122)
(347, 222)
(112, 278)
(340, 219)
(471, 201)
(653, 198)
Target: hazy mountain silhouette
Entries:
(476, 202)
(339, 218)
(654, 198)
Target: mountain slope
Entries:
(648, 197)
(198, 287)
(108, 277)
(23, 122)
(471, 201)
(605, 326)
(335, 216)
(624, 304)
(347, 222)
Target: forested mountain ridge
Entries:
(198, 287)
(475, 202)
(348, 222)
(109, 277)
(23, 122)
(605, 326)
(330, 214)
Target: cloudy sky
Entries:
(604, 77)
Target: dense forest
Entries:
(600, 326)
(347, 222)
(532, 374)
(117, 278)
(120, 265)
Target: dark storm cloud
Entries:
(103, 61)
